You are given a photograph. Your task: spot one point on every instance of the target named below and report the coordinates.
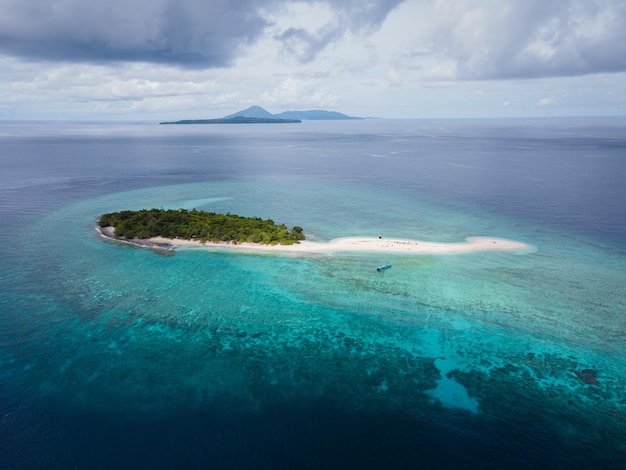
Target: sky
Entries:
(192, 59)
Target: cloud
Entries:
(347, 16)
(504, 39)
(305, 45)
(296, 92)
(184, 32)
(545, 102)
(187, 33)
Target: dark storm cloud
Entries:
(506, 39)
(190, 33)
(185, 32)
(350, 15)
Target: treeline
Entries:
(199, 225)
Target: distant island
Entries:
(195, 225)
(237, 120)
(259, 115)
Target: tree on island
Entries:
(199, 225)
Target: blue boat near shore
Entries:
(383, 267)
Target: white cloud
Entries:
(393, 77)
(545, 102)
(502, 39)
(298, 93)
(440, 73)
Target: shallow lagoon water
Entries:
(113, 354)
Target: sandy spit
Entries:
(337, 245)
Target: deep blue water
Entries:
(115, 356)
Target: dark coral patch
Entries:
(588, 376)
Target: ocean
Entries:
(115, 356)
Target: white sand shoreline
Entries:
(345, 244)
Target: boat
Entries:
(383, 267)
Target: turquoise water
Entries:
(466, 308)
(515, 356)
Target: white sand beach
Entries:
(369, 244)
(347, 244)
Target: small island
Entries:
(200, 226)
(237, 120)
(168, 230)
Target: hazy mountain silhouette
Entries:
(313, 114)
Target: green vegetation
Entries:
(199, 225)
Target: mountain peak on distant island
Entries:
(313, 114)
(253, 112)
